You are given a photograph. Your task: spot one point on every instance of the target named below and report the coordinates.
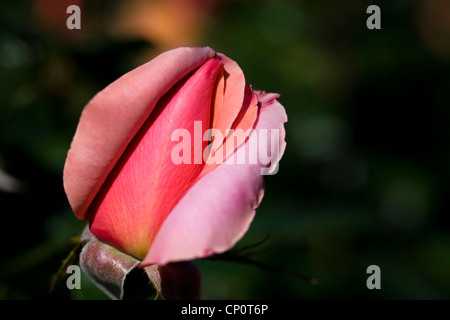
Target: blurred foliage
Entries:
(364, 177)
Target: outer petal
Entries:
(114, 116)
(217, 211)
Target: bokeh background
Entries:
(364, 179)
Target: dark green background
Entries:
(364, 179)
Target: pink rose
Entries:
(120, 173)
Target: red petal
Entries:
(114, 116)
(146, 184)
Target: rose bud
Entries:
(167, 162)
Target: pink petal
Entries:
(146, 184)
(217, 211)
(113, 117)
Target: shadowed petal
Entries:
(240, 130)
(232, 87)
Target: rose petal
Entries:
(233, 88)
(146, 184)
(217, 211)
(229, 99)
(114, 116)
(240, 130)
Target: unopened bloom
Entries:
(120, 174)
